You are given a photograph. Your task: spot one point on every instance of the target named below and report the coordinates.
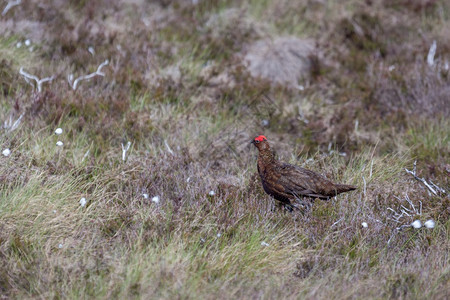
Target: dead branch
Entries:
(10, 125)
(10, 5)
(430, 185)
(431, 54)
(39, 82)
(89, 76)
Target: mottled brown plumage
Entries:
(291, 184)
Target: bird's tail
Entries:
(342, 188)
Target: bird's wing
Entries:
(302, 182)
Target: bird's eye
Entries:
(256, 141)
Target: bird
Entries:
(292, 185)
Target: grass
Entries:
(176, 88)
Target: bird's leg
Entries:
(308, 204)
(288, 207)
(282, 206)
(275, 205)
(304, 204)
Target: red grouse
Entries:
(288, 184)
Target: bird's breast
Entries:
(269, 179)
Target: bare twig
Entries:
(364, 180)
(411, 204)
(412, 213)
(439, 189)
(125, 149)
(39, 82)
(404, 211)
(10, 125)
(403, 226)
(337, 222)
(431, 53)
(391, 210)
(168, 148)
(89, 76)
(10, 5)
(430, 185)
(85, 155)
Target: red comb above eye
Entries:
(261, 138)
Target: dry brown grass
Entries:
(178, 89)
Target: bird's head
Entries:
(260, 142)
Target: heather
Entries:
(150, 188)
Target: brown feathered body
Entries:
(290, 184)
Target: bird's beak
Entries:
(252, 142)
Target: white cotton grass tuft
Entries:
(416, 224)
(211, 193)
(83, 202)
(264, 244)
(219, 235)
(6, 152)
(59, 143)
(58, 131)
(145, 196)
(430, 224)
(155, 199)
(27, 43)
(60, 246)
(364, 224)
